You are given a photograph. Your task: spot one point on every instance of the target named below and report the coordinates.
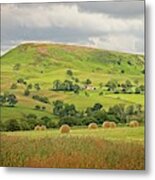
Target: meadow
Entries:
(52, 85)
(119, 148)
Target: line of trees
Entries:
(67, 85)
(119, 113)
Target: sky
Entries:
(113, 25)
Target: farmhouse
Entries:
(90, 87)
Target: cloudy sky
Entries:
(107, 25)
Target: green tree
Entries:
(26, 92)
(37, 86)
(12, 125)
(69, 72)
(2, 100)
(11, 100)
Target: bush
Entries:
(13, 86)
(69, 72)
(12, 125)
(26, 92)
(52, 124)
(87, 120)
(71, 121)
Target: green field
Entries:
(44, 63)
(119, 148)
(30, 65)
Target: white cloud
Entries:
(119, 34)
(116, 42)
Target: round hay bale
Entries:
(43, 128)
(106, 124)
(65, 128)
(134, 124)
(113, 124)
(37, 128)
(92, 126)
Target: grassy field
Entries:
(44, 63)
(119, 148)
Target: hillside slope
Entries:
(44, 63)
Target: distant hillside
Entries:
(56, 56)
(44, 63)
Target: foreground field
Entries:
(120, 148)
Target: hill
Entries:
(44, 63)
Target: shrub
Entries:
(37, 107)
(68, 120)
(134, 124)
(53, 124)
(26, 92)
(13, 86)
(12, 125)
(64, 128)
(122, 71)
(87, 120)
(92, 126)
(69, 72)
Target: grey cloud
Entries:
(118, 9)
(93, 23)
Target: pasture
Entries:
(119, 148)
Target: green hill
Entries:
(44, 63)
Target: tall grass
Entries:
(71, 152)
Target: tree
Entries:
(71, 121)
(112, 85)
(11, 100)
(58, 106)
(29, 86)
(37, 107)
(2, 100)
(20, 80)
(137, 90)
(26, 92)
(36, 86)
(119, 112)
(130, 110)
(88, 81)
(13, 86)
(69, 72)
(12, 125)
(128, 83)
(87, 120)
(97, 107)
(56, 85)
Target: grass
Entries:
(100, 149)
(120, 133)
(53, 60)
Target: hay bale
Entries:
(106, 124)
(43, 128)
(65, 128)
(37, 128)
(134, 124)
(92, 126)
(113, 124)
